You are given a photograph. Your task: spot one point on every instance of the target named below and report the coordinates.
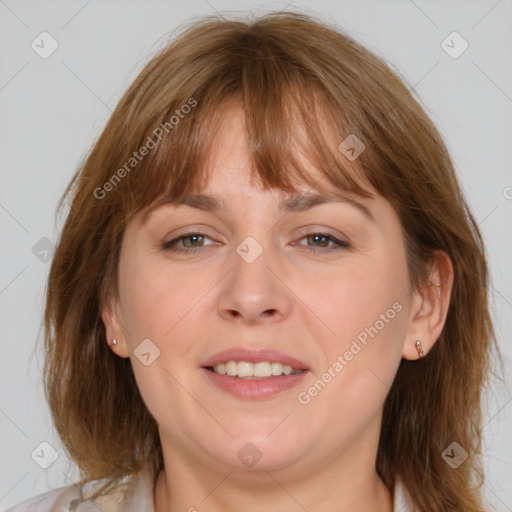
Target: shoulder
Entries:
(133, 494)
(57, 499)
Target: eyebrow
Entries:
(295, 203)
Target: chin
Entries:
(263, 452)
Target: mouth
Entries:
(254, 374)
(253, 371)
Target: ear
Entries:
(113, 327)
(430, 305)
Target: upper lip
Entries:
(254, 356)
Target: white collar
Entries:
(402, 501)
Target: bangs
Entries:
(292, 127)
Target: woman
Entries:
(269, 292)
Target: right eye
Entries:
(194, 237)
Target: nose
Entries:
(255, 292)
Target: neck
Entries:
(197, 488)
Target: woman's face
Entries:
(264, 284)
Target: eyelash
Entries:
(172, 246)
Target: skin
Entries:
(317, 456)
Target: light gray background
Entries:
(53, 109)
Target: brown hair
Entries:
(304, 86)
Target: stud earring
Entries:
(114, 342)
(419, 349)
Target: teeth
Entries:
(262, 369)
(245, 370)
(231, 368)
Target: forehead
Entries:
(297, 202)
(246, 159)
(218, 198)
(231, 162)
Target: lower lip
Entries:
(256, 389)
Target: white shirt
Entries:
(136, 496)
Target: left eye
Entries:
(324, 240)
(194, 241)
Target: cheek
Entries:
(155, 296)
(364, 296)
(158, 305)
(365, 308)
(348, 392)
(367, 312)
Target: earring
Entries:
(114, 342)
(419, 349)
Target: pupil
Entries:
(316, 237)
(194, 238)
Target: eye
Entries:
(193, 242)
(196, 242)
(321, 241)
